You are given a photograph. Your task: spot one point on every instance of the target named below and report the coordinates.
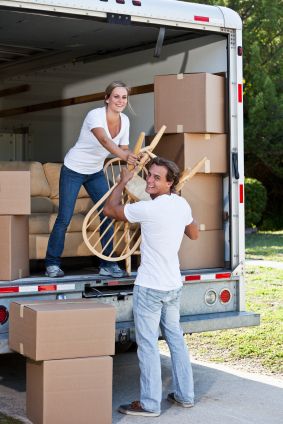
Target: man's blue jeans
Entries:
(154, 308)
(69, 187)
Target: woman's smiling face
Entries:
(118, 99)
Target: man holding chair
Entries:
(156, 299)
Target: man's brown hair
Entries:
(173, 171)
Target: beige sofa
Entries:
(44, 208)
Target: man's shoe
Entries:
(112, 270)
(135, 408)
(171, 398)
(53, 271)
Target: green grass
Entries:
(257, 349)
(265, 245)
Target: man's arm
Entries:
(113, 207)
(192, 230)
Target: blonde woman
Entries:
(105, 130)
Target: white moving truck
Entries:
(53, 55)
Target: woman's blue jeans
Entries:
(153, 309)
(69, 187)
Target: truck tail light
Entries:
(201, 18)
(210, 297)
(4, 314)
(225, 296)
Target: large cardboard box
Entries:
(14, 248)
(70, 391)
(204, 192)
(189, 103)
(205, 252)
(187, 149)
(15, 193)
(62, 329)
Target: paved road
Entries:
(222, 396)
(267, 264)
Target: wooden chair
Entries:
(126, 237)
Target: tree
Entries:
(263, 99)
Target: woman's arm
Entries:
(108, 144)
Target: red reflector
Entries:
(223, 275)
(240, 93)
(225, 296)
(136, 2)
(9, 289)
(201, 18)
(50, 287)
(113, 283)
(240, 51)
(241, 193)
(192, 277)
(4, 314)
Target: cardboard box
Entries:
(205, 252)
(70, 391)
(189, 103)
(204, 192)
(186, 150)
(15, 193)
(14, 248)
(62, 329)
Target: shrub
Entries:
(255, 201)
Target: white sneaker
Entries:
(112, 270)
(53, 271)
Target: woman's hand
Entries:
(131, 158)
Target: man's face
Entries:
(156, 182)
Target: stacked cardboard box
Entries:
(68, 344)
(14, 211)
(192, 108)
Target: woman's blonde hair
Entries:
(112, 86)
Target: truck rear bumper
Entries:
(218, 321)
(199, 323)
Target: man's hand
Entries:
(113, 207)
(126, 175)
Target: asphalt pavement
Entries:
(223, 396)
(264, 263)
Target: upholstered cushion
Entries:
(42, 205)
(83, 205)
(38, 181)
(52, 172)
(43, 223)
(74, 245)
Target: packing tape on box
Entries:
(21, 348)
(180, 129)
(207, 166)
(180, 76)
(207, 136)
(202, 227)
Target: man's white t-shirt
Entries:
(87, 156)
(163, 221)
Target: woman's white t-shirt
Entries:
(87, 156)
(163, 221)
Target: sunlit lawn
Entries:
(265, 245)
(256, 349)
